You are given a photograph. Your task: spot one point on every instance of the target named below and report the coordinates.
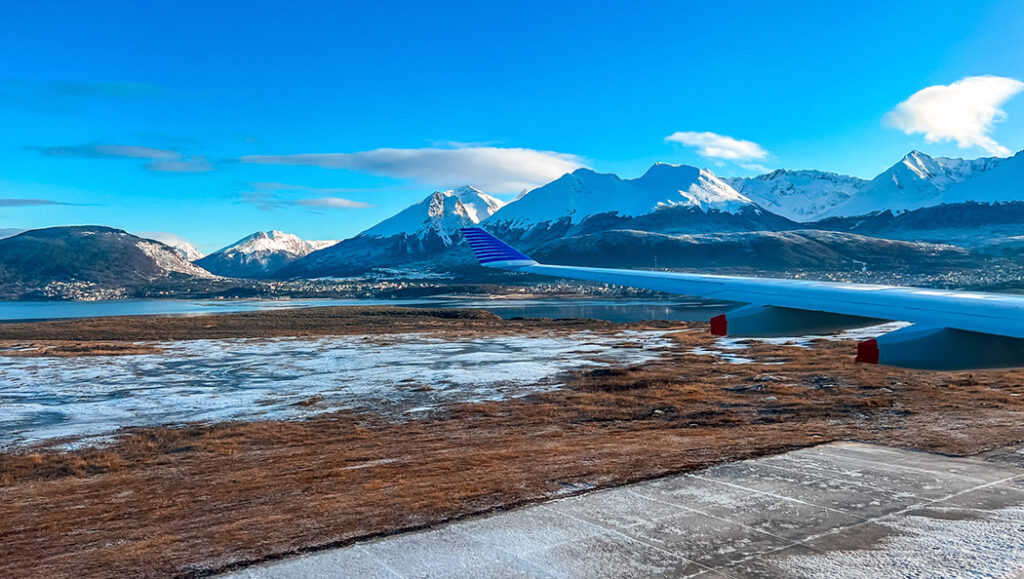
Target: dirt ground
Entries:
(194, 500)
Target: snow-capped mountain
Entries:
(917, 181)
(256, 255)
(424, 229)
(976, 211)
(667, 198)
(798, 195)
(441, 214)
(1000, 181)
(186, 249)
(582, 194)
(61, 261)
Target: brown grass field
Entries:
(198, 499)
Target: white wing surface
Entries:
(951, 329)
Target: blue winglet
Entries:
(493, 252)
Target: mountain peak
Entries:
(917, 180)
(256, 254)
(668, 175)
(442, 213)
(466, 190)
(585, 193)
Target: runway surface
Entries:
(837, 510)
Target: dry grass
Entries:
(193, 500)
(323, 321)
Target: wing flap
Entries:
(930, 348)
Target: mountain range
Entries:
(922, 211)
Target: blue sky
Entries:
(186, 117)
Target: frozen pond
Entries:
(213, 380)
(613, 310)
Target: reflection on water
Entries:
(613, 310)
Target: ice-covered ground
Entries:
(988, 544)
(214, 380)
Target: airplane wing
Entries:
(950, 330)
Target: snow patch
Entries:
(585, 193)
(443, 213)
(169, 260)
(247, 379)
(986, 546)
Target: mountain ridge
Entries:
(257, 255)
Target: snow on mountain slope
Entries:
(259, 245)
(170, 258)
(917, 181)
(317, 245)
(256, 255)
(798, 195)
(186, 249)
(584, 193)
(999, 183)
(420, 231)
(443, 213)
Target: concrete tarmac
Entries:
(837, 510)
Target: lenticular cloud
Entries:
(492, 168)
(963, 112)
(715, 146)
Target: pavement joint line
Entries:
(840, 529)
(815, 478)
(709, 515)
(834, 510)
(915, 469)
(600, 530)
(905, 510)
(722, 569)
(856, 482)
(622, 535)
(519, 558)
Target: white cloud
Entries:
(715, 146)
(333, 203)
(963, 112)
(489, 168)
